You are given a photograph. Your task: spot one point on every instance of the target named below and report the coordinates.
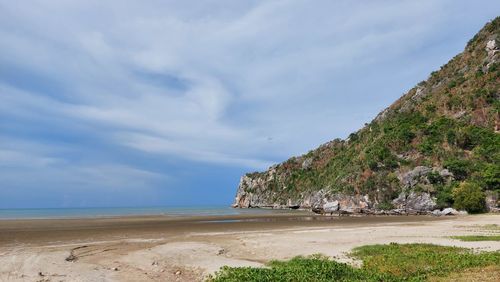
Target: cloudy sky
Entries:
(147, 103)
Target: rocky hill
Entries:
(435, 147)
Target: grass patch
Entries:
(393, 262)
(419, 261)
(483, 274)
(472, 238)
(491, 227)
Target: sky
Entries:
(167, 103)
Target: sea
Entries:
(55, 213)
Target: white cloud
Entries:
(233, 82)
(29, 163)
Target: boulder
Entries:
(450, 211)
(436, 212)
(330, 207)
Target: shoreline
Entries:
(114, 212)
(152, 248)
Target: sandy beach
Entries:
(161, 248)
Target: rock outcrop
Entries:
(414, 201)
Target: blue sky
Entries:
(148, 103)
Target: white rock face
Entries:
(306, 164)
(493, 49)
(415, 201)
(491, 45)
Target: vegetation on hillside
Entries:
(449, 121)
(393, 262)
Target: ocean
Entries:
(49, 213)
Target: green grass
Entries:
(417, 262)
(313, 268)
(472, 238)
(393, 262)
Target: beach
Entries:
(188, 248)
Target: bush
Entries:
(491, 176)
(435, 178)
(426, 147)
(353, 137)
(386, 205)
(460, 168)
(444, 196)
(378, 156)
(469, 197)
(473, 136)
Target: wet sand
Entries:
(46, 231)
(162, 248)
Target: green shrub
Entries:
(460, 168)
(435, 178)
(378, 156)
(473, 136)
(386, 205)
(353, 137)
(486, 144)
(469, 197)
(426, 147)
(444, 195)
(491, 176)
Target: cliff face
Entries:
(441, 133)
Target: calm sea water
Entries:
(110, 212)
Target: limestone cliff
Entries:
(441, 133)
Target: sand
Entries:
(160, 248)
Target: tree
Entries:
(491, 176)
(469, 196)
